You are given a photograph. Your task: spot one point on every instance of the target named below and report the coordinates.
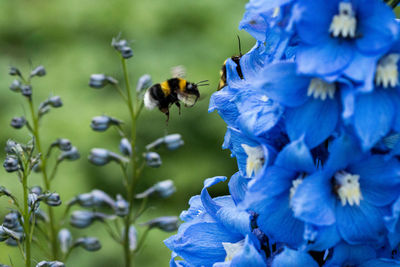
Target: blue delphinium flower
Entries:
(215, 231)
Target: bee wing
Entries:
(178, 71)
(188, 99)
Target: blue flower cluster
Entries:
(313, 121)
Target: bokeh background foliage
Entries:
(72, 40)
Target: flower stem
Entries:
(43, 159)
(27, 228)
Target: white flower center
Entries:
(295, 184)
(348, 188)
(255, 159)
(387, 72)
(344, 24)
(321, 89)
(264, 98)
(232, 249)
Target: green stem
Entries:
(43, 159)
(26, 215)
(394, 3)
(130, 184)
(142, 239)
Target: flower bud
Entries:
(65, 240)
(81, 219)
(125, 147)
(102, 123)
(33, 201)
(11, 221)
(63, 144)
(16, 86)
(13, 147)
(153, 159)
(72, 154)
(14, 71)
(166, 223)
(36, 190)
(132, 234)
(122, 46)
(55, 101)
(144, 83)
(173, 141)
(121, 206)
(100, 80)
(40, 215)
(100, 157)
(50, 264)
(12, 242)
(11, 163)
(88, 243)
(38, 71)
(164, 189)
(18, 122)
(26, 90)
(96, 198)
(52, 199)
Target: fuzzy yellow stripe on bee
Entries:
(182, 84)
(165, 88)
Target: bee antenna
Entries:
(201, 82)
(240, 47)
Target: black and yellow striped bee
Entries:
(222, 81)
(172, 91)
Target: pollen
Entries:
(348, 188)
(344, 24)
(321, 89)
(387, 71)
(255, 159)
(232, 249)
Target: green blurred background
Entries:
(72, 40)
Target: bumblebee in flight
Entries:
(172, 91)
(236, 59)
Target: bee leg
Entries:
(179, 107)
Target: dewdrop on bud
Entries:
(153, 159)
(102, 123)
(65, 240)
(98, 81)
(38, 71)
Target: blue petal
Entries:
(315, 121)
(249, 256)
(313, 200)
(373, 117)
(379, 179)
(394, 95)
(376, 22)
(362, 70)
(238, 187)
(297, 157)
(222, 101)
(325, 59)
(280, 82)
(380, 263)
(253, 61)
(320, 238)
(392, 222)
(346, 255)
(289, 257)
(343, 151)
(201, 244)
(360, 224)
(277, 222)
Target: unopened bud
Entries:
(102, 123)
(121, 206)
(72, 154)
(18, 122)
(11, 163)
(153, 159)
(100, 157)
(16, 86)
(50, 264)
(38, 71)
(166, 223)
(65, 239)
(88, 243)
(100, 80)
(14, 71)
(125, 147)
(26, 90)
(144, 83)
